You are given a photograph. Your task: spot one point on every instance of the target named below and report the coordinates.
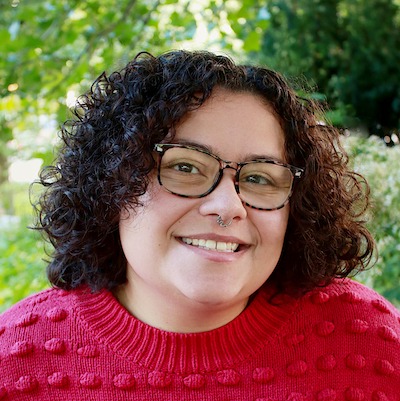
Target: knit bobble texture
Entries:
(327, 395)
(159, 379)
(194, 381)
(263, 375)
(90, 380)
(58, 379)
(297, 368)
(355, 361)
(357, 326)
(379, 396)
(326, 362)
(26, 384)
(338, 343)
(27, 320)
(56, 314)
(55, 345)
(228, 377)
(124, 381)
(21, 348)
(324, 328)
(88, 351)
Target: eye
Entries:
(185, 168)
(257, 179)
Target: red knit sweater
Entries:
(340, 343)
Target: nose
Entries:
(224, 201)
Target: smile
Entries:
(211, 244)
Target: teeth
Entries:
(221, 246)
(211, 244)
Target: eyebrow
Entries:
(248, 157)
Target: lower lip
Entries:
(215, 256)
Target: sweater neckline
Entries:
(112, 325)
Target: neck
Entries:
(176, 314)
(109, 323)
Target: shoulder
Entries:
(33, 318)
(352, 296)
(348, 301)
(31, 327)
(348, 332)
(353, 315)
(51, 304)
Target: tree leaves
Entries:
(349, 48)
(381, 166)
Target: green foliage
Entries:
(22, 266)
(381, 166)
(52, 50)
(15, 199)
(349, 49)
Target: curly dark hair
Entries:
(106, 156)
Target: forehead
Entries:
(234, 125)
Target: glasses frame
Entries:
(161, 148)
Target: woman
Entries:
(203, 224)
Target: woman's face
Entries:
(166, 275)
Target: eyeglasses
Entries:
(193, 172)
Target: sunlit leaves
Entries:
(48, 46)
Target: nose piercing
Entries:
(221, 222)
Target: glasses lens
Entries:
(265, 185)
(188, 172)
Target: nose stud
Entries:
(221, 222)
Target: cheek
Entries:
(273, 226)
(136, 217)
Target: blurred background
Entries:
(343, 53)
